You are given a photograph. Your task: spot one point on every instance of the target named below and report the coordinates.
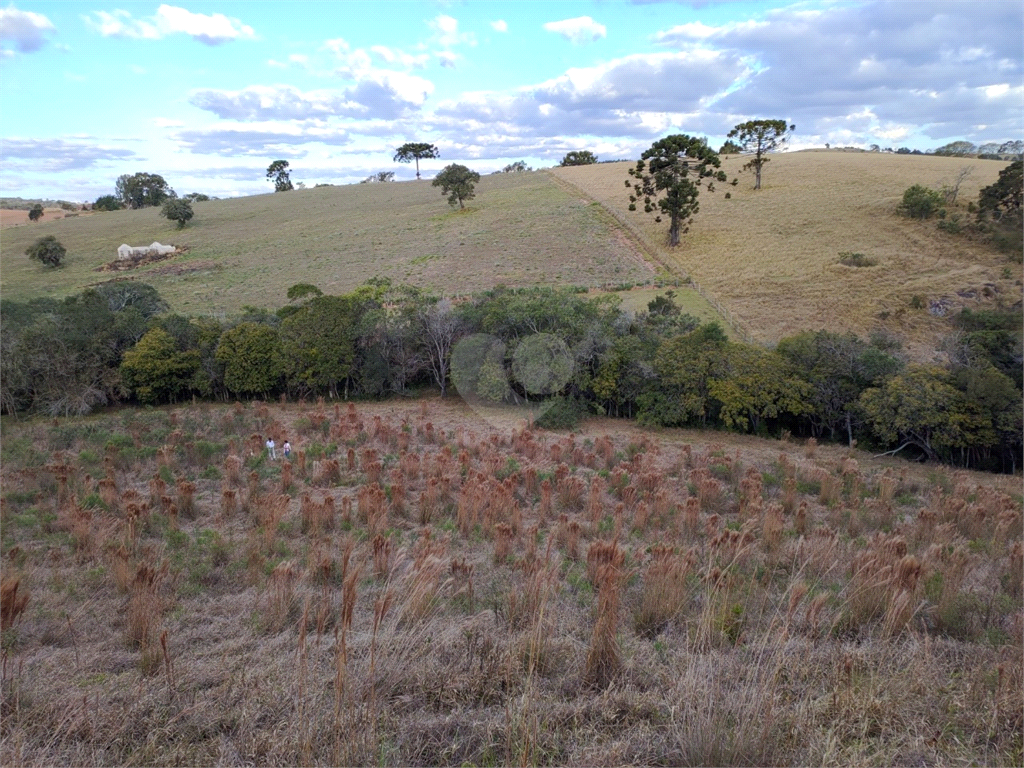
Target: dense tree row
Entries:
(662, 367)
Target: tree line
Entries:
(117, 343)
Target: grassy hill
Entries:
(772, 257)
(521, 229)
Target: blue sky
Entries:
(207, 94)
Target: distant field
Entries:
(16, 218)
(772, 257)
(521, 229)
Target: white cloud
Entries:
(378, 93)
(26, 30)
(446, 32)
(582, 29)
(212, 29)
(447, 59)
(399, 57)
(285, 139)
(55, 155)
(499, 26)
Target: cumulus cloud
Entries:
(25, 30)
(399, 57)
(446, 32)
(53, 155)
(582, 29)
(212, 29)
(379, 94)
(278, 138)
(937, 65)
(635, 96)
(499, 26)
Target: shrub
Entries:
(562, 413)
(920, 202)
(851, 259)
(179, 210)
(47, 250)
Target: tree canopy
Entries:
(278, 172)
(579, 157)
(47, 250)
(1002, 200)
(758, 138)
(179, 210)
(669, 175)
(416, 151)
(107, 203)
(35, 213)
(143, 190)
(457, 182)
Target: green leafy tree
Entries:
(252, 360)
(47, 250)
(757, 384)
(278, 172)
(1002, 200)
(668, 178)
(318, 344)
(922, 408)
(956, 149)
(142, 190)
(685, 367)
(35, 213)
(416, 151)
(730, 148)
(758, 138)
(179, 210)
(156, 371)
(519, 166)
(920, 202)
(579, 157)
(838, 368)
(197, 197)
(107, 203)
(457, 182)
(381, 177)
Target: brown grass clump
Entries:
(381, 556)
(503, 538)
(281, 602)
(665, 591)
(186, 498)
(12, 604)
(603, 658)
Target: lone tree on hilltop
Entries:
(35, 213)
(457, 182)
(278, 172)
(760, 137)
(579, 157)
(416, 151)
(670, 175)
(178, 210)
(47, 250)
(143, 190)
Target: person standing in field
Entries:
(287, 448)
(270, 448)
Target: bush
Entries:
(47, 250)
(107, 203)
(851, 259)
(179, 210)
(562, 413)
(920, 202)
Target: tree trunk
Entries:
(417, 167)
(673, 232)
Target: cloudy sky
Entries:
(207, 94)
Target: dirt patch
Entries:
(184, 269)
(15, 218)
(122, 265)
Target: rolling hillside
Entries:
(772, 257)
(521, 229)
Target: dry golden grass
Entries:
(771, 257)
(890, 631)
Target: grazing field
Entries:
(771, 257)
(425, 584)
(521, 229)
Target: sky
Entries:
(208, 94)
